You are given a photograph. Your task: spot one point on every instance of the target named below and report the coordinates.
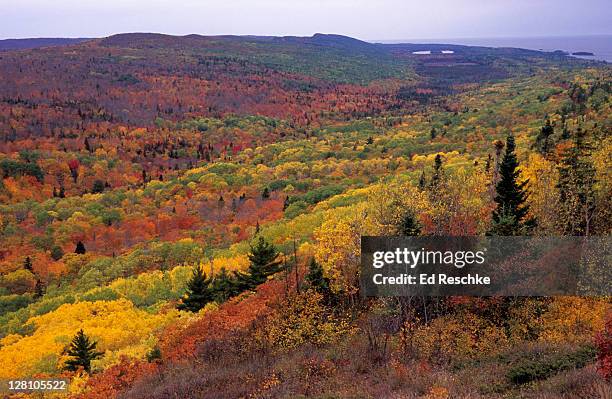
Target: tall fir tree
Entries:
(80, 248)
(224, 286)
(27, 263)
(510, 216)
(576, 188)
(409, 225)
(81, 351)
(316, 279)
(264, 262)
(199, 292)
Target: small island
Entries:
(583, 53)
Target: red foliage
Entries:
(112, 381)
(603, 340)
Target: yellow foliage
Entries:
(301, 319)
(339, 247)
(573, 319)
(117, 326)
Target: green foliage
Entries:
(510, 215)
(316, 280)
(199, 292)
(13, 168)
(82, 351)
(577, 188)
(540, 368)
(263, 263)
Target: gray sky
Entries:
(369, 20)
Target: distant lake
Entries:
(600, 45)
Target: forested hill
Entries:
(20, 44)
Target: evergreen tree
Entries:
(422, 181)
(437, 174)
(409, 226)
(80, 248)
(224, 286)
(543, 143)
(98, 187)
(265, 194)
(39, 289)
(576, 188)
(199, 292)
(82, 351)
(264, 262)
(57, 252)
(510, 216)
(27, 263)
(316, 279)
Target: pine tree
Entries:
(264, 262)
(437, 174)
(576, 188)
(543, 143)
(80, 248)
(199, 292)
(510, 216)
(27, 263)
(265, 194)
(224, 286)
(39, 289)
(82, 351)
(316, 279)
(409, 226)
(422, 181)
(57, 252)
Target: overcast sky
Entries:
(364, 19)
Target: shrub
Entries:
(543, 367)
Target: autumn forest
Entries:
(180, 216)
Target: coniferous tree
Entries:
(264, 262)
(316, 279)
(39, 289)
(57, 252)
(82, 351)
(199, 292)
(576, 188)
(409, 225)
(437, 174)
(510, 216)
(422, 181)
(265, 194)
(224, 286)
(543, 143)
(80, 248)
(27, 263)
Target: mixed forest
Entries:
(180, 217)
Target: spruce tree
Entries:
(80, 248)
(27, 263)
(82, 351)
(510, 216)
(437, 174)
(422, 181)
(316, 279)
(543, 143)
(576, 188)
(199, 292)
(409, 226)
(264, 262)
(224, 286)
(39, 289)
